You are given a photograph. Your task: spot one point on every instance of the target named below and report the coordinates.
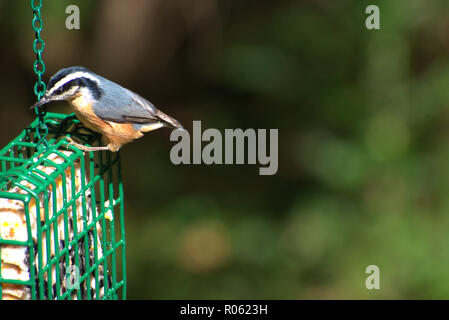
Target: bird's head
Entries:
(69, 83)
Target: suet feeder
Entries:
(62, 230)
(62, 233)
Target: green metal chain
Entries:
(39, 69)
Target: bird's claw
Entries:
(71, 142)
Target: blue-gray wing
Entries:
(121, 105)
(118, 104)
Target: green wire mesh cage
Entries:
(62, 232)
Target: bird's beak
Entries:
(45, 99)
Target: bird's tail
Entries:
(168, 121)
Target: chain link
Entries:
(39, 69)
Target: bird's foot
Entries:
(83, 147)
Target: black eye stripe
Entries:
(83, 83)
(93, 86)
(72, 83)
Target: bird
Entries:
(118, 114)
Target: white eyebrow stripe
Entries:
(69, 77)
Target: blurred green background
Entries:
(363, 119)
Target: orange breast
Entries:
(121, 133)
(86, 115)
(115, 133)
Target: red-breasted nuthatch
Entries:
(117, 113)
